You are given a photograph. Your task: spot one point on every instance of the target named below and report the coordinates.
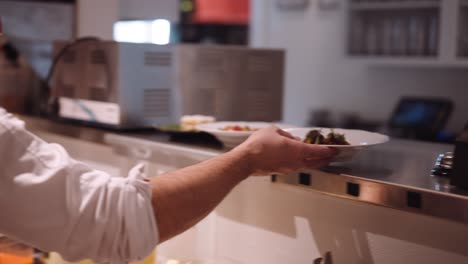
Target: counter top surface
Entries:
(396, 166)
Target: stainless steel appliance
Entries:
(128, 85)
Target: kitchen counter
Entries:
(395, 174)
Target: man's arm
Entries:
(184, 197)
(56, 203)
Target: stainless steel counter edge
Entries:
(159, 149)
(410, 199)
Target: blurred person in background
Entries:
(55, 203)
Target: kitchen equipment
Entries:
(444, 165)
(229, 82)
(442, 172)
(120, 85)
(130, 85)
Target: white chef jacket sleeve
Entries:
(56, 203)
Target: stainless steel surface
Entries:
(230, 82)
(402, 162)
(134, 80)
(394, 175)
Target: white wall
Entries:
(319, 75)
(97, 18)
(149, 9)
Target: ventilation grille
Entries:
(259, 64)
(261, 106)
(69, 57)
(157, 59)
(206, 99)
(98, 57)
(97, 93)
(156, 102)
(210, 61)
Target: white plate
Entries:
(231, 139)
(358, 139)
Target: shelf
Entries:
(411, 61)
(363, 6)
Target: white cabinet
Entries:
(409, 32)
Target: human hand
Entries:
(272, 150)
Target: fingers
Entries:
(314, 152)
(285, 134)
(280, 151)
(315, 156)
(309, 152)
(288, 135)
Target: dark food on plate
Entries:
(315, 137)
(238, 128)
